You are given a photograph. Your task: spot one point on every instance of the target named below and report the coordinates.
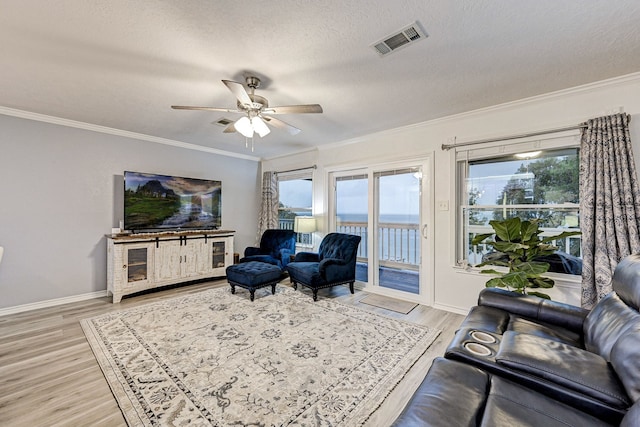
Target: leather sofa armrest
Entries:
(250, 251)
(307, 257)
(535, 308)
(564, 365)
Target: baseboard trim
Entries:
(51, 303)
(451, 308)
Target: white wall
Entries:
(455, 289)
(61, 191)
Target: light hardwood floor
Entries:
(49, 376)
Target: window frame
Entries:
(303, 240)
(495, 150)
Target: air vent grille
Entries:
(408, 35)
(223, 122)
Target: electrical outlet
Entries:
(443, 205)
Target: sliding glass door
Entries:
(398, 241)
(387, 206)
(351, 214)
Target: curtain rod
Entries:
(296, 170)
(505, 138)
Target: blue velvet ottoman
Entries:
(253, 275)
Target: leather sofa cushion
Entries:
(512, 405)
(625, 358)
(457, 394)
(525, 326)
(606, 323)
(565, 365)
(452, 394)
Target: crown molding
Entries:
(608, 83)
(117, 132)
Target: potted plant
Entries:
(518, 245)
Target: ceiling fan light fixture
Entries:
(260, 127)
(244, 126)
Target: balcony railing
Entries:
(304, 239)
(398, 247)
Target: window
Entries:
(539, 182)
(295, 195)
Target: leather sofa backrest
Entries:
(617, 312)
(626, 280)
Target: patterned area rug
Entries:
(213, 358)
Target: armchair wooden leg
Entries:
(295, 286)
(253, 294)
(315, 295)
(351, 287)
(273, 289)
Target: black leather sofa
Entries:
(522, 360)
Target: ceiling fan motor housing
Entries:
(258, 102)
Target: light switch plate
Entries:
(443, 205)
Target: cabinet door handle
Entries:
(124, 266)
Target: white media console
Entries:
(136, 262)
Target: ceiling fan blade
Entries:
(239, 91)
(187, 107)
(282, 125)
(294, 109)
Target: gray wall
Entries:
(61, 192)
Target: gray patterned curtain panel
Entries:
(609, 203)
(269, 209)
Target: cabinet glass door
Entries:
(137, 264)
(219, 255)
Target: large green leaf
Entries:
(480, 237)
(507, 230)
(496, 282)
(529, 229)
(492, 271)
(509, 247)
(543, 282)
(539, 294)
(532, 267)
(559, 236)
(516, 279)
(510, 281)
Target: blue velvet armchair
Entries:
(334, 264)
(276, 247)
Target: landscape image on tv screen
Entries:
(160, 202)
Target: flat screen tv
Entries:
(161, 202)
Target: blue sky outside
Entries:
(399, 196)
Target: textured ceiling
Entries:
(122, 63)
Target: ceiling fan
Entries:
(254, 107)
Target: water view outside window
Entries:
(541, 185)
(395, 235)
(295, 198)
